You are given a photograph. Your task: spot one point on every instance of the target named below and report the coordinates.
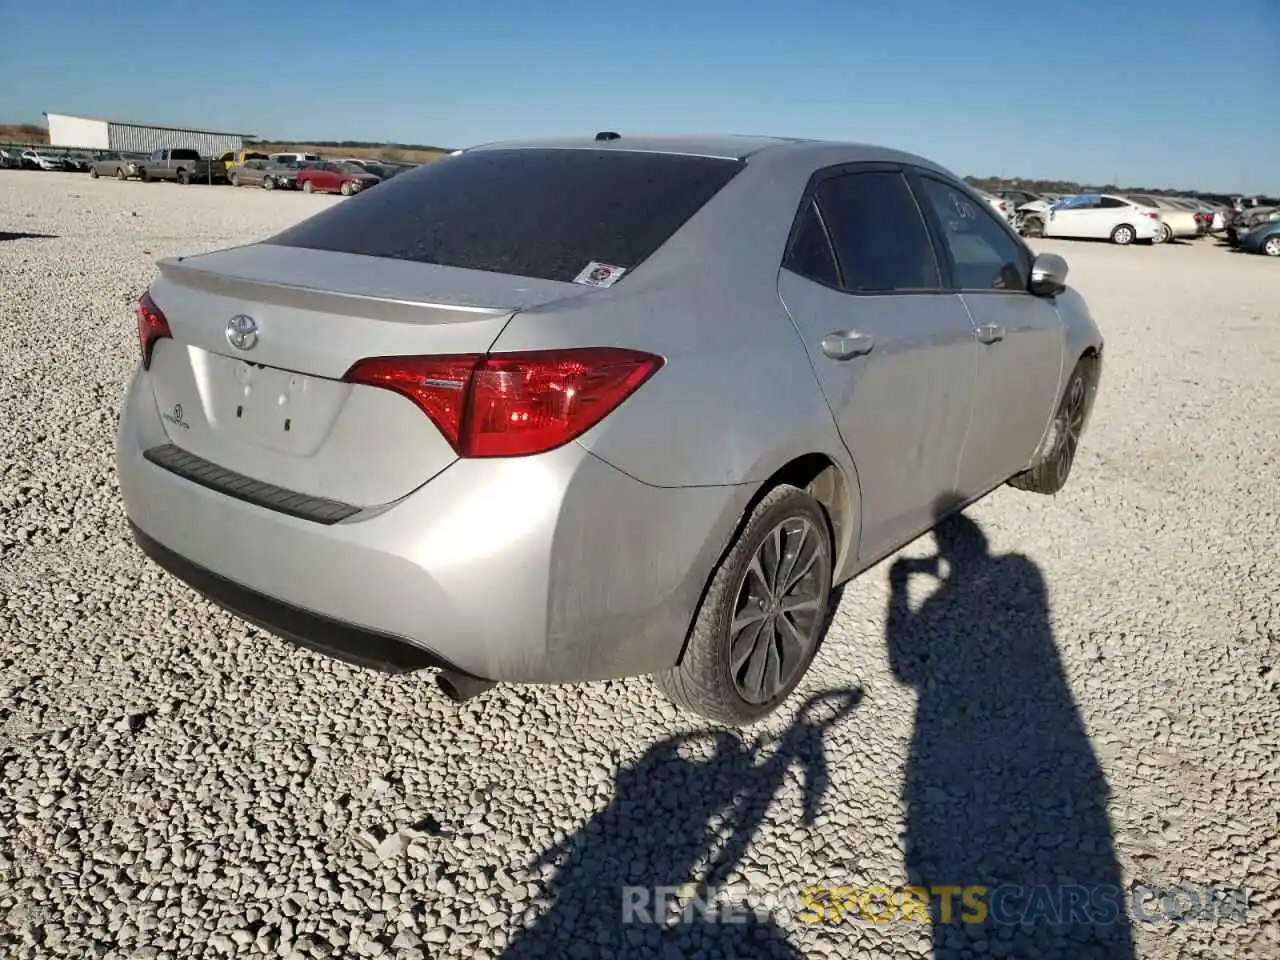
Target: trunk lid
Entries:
(275, 408)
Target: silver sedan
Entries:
(570, 410)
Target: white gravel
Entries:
(177, 784)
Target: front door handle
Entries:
(847, 344)
(989, 333)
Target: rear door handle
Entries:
(847, 344)
(989, 333)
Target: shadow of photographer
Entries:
(1002, 787)
(683, 816)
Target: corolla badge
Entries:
(242, 332)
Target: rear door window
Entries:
(544, 213)
(879, 235)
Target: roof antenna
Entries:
(608, 135)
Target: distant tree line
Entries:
(996, 184)
(364, 144)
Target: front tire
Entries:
(346, 189)
(307, 187)
(1271, 246)
(184, 177)
(268, 183)
(1053, 466)
(763, 616)
(1123, 235)
(93, 173)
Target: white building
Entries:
(126, 136)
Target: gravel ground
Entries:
(1089, 696)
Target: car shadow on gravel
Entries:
(682, 817)
(5, 235)
(1003, 790)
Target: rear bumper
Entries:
(557, 568)
(366, 648)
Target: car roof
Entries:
(726, 146)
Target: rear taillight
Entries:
(513, 404)
(152, 326)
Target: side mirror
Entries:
(1048, 275)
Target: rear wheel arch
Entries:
(824, 480)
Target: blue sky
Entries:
(1152, 92)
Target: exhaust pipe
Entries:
(459, 688)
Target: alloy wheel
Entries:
(1070, 426)
(779, 609)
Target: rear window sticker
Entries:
(596, 274)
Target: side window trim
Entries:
(826, 235)
(915, 176)
(941, 252)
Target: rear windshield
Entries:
(544, 213)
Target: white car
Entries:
(41, 161)
(997, 204)
(1096, 216)
(297, 157)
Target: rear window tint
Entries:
(542, 213)
(184, 155)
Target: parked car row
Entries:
(1255, 230)
(1120, 218)
(307, 172)
(74, 162)
(310, 176)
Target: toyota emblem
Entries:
(242, 331)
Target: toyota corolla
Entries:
(560, 411)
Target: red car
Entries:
(343, 178)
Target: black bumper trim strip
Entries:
(259, 493)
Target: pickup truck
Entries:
(185, 166)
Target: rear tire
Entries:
(144, 176)
(184, 177)
(775, 584)
(268, 183)
(1053, 464)
(307, 187)
(346, 189)
(93, 173)
(1271, 246)
(233, 180)
(1123, 235)
(120, 174)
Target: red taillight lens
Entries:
(529, 403)
(152, 326)
(513, 404)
